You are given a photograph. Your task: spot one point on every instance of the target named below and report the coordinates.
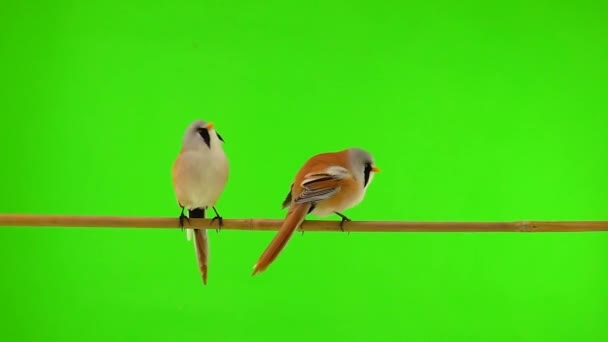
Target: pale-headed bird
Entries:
(199, 174)
(327, 183)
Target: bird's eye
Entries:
(204, 133)
(366, 173)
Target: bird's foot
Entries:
(344, 219)
(219, 219)
(183, 218)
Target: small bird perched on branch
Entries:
(200, 173)
(328, 183)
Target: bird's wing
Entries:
(321, 185)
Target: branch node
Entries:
(525, 226)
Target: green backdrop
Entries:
(474, 112)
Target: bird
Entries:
(199, 175)
(328, 183)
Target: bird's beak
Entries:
(375, 169)
(209, 125)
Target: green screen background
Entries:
(474, 112)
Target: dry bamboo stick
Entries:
(26, 220)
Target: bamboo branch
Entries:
(25, 220)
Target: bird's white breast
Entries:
(202, 177)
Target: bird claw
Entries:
(344, 219)
(183, 217)
(220, 221)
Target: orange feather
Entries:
(294, 217)
(318, 164)
(202, 251)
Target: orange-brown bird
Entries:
(328, 183)
(200, 173)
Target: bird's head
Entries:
(201, 134)
(362, 163)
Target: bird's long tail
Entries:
(294, 218)
(201, 244)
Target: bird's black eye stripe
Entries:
(219, 136)
(366, 172)
(204, 133)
